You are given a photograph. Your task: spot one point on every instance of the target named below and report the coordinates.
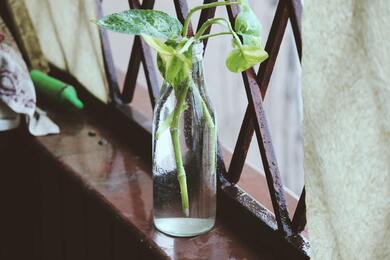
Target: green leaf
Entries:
(248, 39)
(176, 67)
(246, 21)
(159, 46)
(244, 57)
(247, 25)
(250, 53)
(148, 22)
(174, 60)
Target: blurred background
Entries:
(283, 102)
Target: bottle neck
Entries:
(197, 52)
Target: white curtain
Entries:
(346, 80)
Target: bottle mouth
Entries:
(197, 51)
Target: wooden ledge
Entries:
(115, 178)
(96, 196)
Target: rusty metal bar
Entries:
(135, 4)
(247, 128)
(272, 46)
(109, 67)
(295, 13)
(181, 8)
(255, 86)
(271, 169)
(264, 75)
(150, 72)
(141, 53)
(204, 16)
(134, 63)
(241, 149)
(132, 71)
(299, 219)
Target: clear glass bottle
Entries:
(184, 161)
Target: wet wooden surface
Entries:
(87, 194)
(107, 202)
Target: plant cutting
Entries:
(184, 169)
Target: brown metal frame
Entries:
(254, 120)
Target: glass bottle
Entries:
(184, 156)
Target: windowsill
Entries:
(122, 180)
(113, 169)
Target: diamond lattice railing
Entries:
(256, 85)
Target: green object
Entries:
(137, 21)
(245, 56)
(248, 26)
(55, 90)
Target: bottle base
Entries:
(184, 227)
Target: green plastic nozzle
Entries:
(55, 90)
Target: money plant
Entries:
(170, 39)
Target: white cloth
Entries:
(346, 80)
(16, 88)
(17, 96)
(40, 124)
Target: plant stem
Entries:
(200, 7)
(181, 174)
(187, 45)
(175, 136)
(201, 38)
(213, 136)
(220, 21)
(213, 130)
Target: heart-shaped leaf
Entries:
(177, 69)
(244, 57)
(247, 25)
(248, 39)
(148, 22)
(174, 60)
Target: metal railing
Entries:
(256, 85)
